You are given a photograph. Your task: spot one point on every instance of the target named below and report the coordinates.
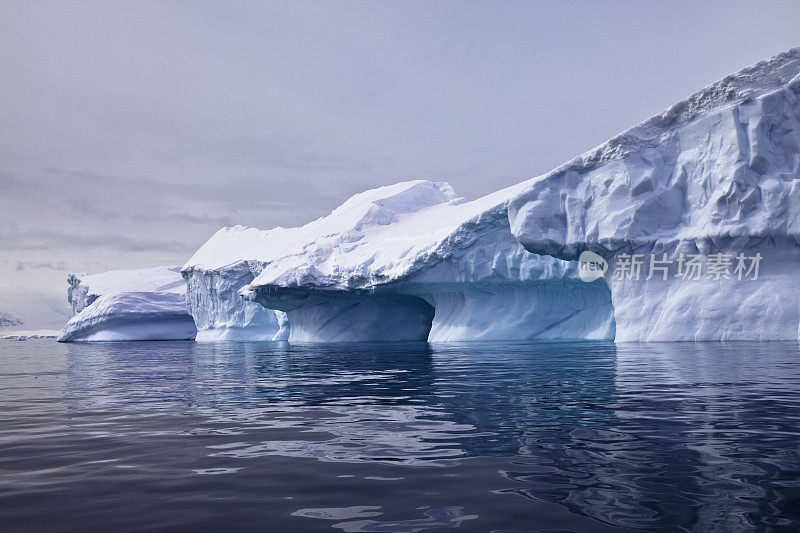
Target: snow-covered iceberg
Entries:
(712, 184)
(685, 227)
(228, 261)
(412, 261)
(145, 304)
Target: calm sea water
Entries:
(399, 437)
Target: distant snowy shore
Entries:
(29, 334)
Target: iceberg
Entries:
(686, 227)
(711, 183)
(228, 261)
(413, 261)
(145, 304)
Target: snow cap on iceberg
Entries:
(379, 206)
(85, 288)
(381, 235)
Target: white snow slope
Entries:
(146, 304)
(412, 261)
(715, 174)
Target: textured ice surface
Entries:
(145, 304)
(716, 173)
(412, 261)
(227, 262)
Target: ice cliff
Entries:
(412, 261)
(228, 261)
(146, 304)
(712, 180)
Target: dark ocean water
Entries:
(399, 437)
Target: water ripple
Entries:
(401, 437)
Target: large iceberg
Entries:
(685, 227)
(145, 304)
(228, 261)
(412, 261)
(708, 189)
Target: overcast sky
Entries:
(131, 131)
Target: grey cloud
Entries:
(13, 239)
(85, 194)
(33, 265)
(184, 218)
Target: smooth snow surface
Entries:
(716, 173)
(145, 304)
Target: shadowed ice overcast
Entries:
(132, 131)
